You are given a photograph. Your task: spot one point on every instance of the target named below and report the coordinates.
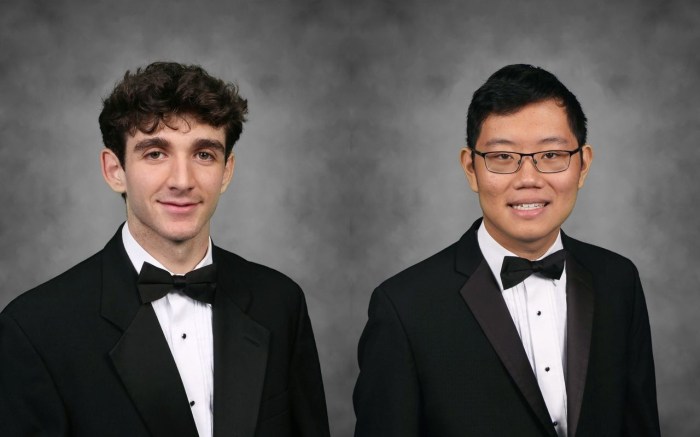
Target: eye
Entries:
(154, 154)
(501, 156)
(205, 156)
(552, 154)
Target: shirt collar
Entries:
(138, 255)
(494, 253)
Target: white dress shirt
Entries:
(538, 308)
(186, 325)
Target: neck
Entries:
(530, 250)
(178, 257)
(529, 253)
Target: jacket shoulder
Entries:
(425, 278)
(596, 258)
(256, 276)
(67, 290)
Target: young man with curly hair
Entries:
(161, 333)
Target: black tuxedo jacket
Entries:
(440, 355)
(81, 356)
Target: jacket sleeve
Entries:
(308, 401)
(387, 393)
(29, 401)
(641, 413)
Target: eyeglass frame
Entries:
(531, 155)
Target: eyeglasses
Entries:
(548, 161)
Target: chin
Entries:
(535, 235)
(179, 234)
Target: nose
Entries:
(528, 175)
(180, 177)
(528, 158)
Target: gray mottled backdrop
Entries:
(348, 169)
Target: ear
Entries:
(466, 158)
(587, 159)
(112, 171)
(228, 171)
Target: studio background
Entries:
(347, 171)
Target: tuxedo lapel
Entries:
(579, 308)
(484, 298)
(147, 369)
(486, 303)
(142, 358)
(240, 354)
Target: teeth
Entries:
(523, 206)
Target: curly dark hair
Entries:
(513, 87)
(151, 96)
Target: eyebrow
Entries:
(150, 142)
(504, 142)
(199, 143)
(554, 140)
(499, 142)
(206, 143)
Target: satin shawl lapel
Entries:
(240, 352)
(484, 298)
(142, 357)
(579, 308)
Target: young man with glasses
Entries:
(516, 329)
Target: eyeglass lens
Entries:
(551, 161)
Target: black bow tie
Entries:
(515, 270)
(155, 283)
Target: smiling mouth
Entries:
(179, 206)
(528, 206)
(182, 205)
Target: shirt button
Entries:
(555, 423)
(539, 313)
(184, 336)
(191, 403)
(546, 369)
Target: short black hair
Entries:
(162, 90)
(513, 87)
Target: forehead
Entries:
(532, 123)
(178, 129)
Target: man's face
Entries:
(172, 179)
(523, 211)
